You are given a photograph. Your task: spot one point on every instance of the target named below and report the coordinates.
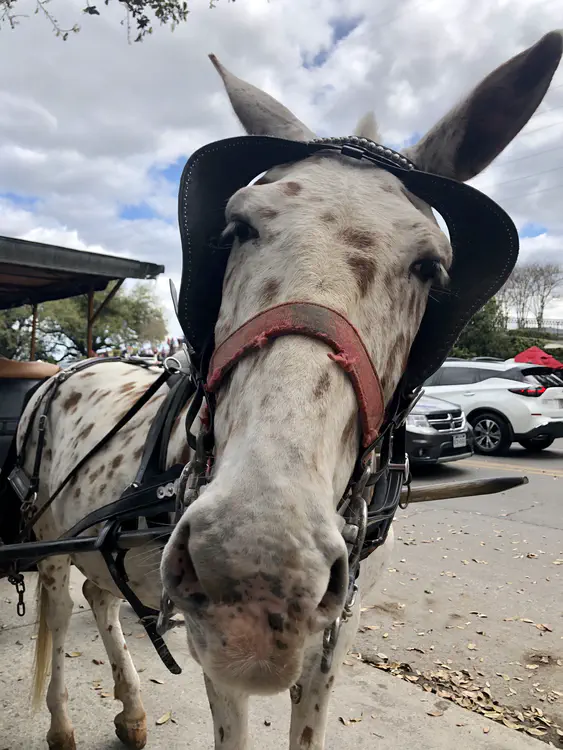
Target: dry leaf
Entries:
(141, 635)
(73, 654)
(544, 628)
(472, 647)
(532, 666)
(164, 718)
(105, 695)
(155, 679)
(536, 732)
(351, 720)
(97, 662)
(435, 713)
(486, 730)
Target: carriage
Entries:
(264, 463)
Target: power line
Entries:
(524, 177)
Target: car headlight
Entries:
(419, 421)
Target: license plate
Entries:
(460, 441)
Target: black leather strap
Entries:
(146, 615)
(147, 395)
(134, 503)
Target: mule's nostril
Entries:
(198, 600)
(337, 583)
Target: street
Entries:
(475, 584)
(462, 646)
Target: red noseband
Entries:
(314, 321)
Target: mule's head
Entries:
(258, 563)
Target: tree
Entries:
(546, 279)
(141, 13)
(517, 292)
(486, 335)
(130, 318)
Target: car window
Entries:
(512, 374)
(458, 375)
(434, 379)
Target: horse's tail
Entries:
(42, 647)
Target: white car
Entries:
(504, 402)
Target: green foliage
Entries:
(486, 335)
(141, 14)
(128, 319)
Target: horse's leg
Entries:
(229, 710)
(54, 612)
(311, 696)
(131, 723)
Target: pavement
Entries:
(475, 590)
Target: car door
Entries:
(455, 384)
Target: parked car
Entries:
(505, 402)
(437, 431)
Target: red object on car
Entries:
(535, 356)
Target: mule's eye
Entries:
(244, 232)
(237, 229)
(427, 269)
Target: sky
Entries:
(95, 131)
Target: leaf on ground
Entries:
(104, 695)
(544, 628)
(73, 654)
(536, 732)
(486, 730)
(532, 666)
(97, 662)
(472, 647)
(527, 619)
(156, 680)
(164, 718)
(435, 713)
(351, 720)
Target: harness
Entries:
(482, 235)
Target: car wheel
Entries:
(537, 444)
(491, 434)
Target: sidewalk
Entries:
(394, 713)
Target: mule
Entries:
(258, 563)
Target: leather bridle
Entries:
(379, 427)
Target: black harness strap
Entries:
(147, 616)
(146, 396)
(134, 503)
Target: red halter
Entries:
(315, 321)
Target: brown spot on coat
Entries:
(117, 461)
(306, 737)
(221, 734)
(328, 217)
(357, 238)
(269, 291)
(127, 387)
(292, 188)
(323, 384)
(71, 400)
(363, 267)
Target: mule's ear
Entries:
(258, 112)
(467, 139)
(367, 128)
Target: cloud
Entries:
(94, 132)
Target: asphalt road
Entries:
(470, 613)
(476, 585)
